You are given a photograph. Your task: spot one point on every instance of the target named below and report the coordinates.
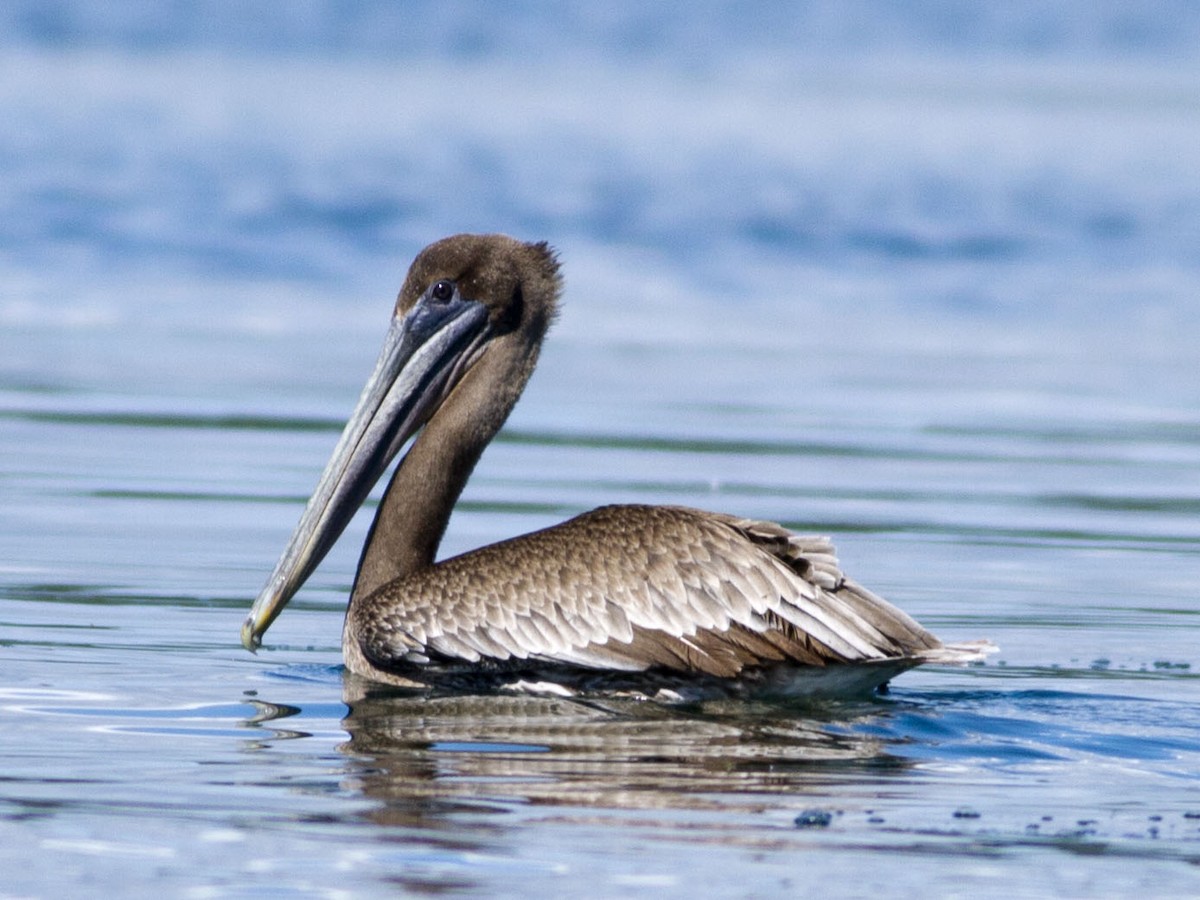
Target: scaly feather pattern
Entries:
(634, 588)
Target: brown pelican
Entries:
(664, 596)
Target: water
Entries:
(922, 279)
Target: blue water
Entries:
(920, 276)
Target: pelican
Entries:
(673, 599)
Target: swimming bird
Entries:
(664, 600)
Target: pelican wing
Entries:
(637, 587)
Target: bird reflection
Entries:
(424, 755)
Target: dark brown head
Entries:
(519, 283)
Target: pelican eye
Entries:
(442, 290)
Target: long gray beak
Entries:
(424, 355)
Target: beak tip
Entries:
(251, 638)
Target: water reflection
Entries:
(420, 755)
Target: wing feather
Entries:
(639, 587)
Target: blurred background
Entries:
(834, 215)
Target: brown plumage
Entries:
(618, 598)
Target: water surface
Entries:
(922, 282)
